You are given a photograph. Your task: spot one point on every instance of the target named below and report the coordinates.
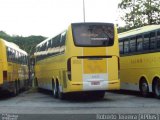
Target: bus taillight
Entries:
(69, 68)
(4, 75)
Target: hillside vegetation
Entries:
(26, 43)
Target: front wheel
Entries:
(157, 88)
(144, 89)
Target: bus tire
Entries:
(18, 86)
(36, 82)
(15, 89)
(60, 94)
(156, 88)
(144, 88)
(54, 89)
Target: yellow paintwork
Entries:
(53, 68)
(14, 71)
(137, 66)
(3, 61)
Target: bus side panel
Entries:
(113, 77)
(1, 75)
(1, 64)
(76, 83)
(133, 68)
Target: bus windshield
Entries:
(90, 34)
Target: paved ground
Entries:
(33, 102)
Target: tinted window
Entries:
(146, 42)
(93, 34)
(152, 40)
(121, 47)
(50, 44)
(9, 54)
(133, 44)
(158, 38)
(139, 43)
(62, 42)
(126, 46)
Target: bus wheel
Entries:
(157, 88)
(144, 89)
(18, 86)
(60, 94)
(54, 89)
(36, 82)
(15, 89)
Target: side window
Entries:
(53, 42)
(22, 59)
(121, 47)
(152, 40)
(26, 59)
(62, 42)
(13, 55)
(50, 44)
(8, 54)
(139, 43)
(146, 41)
(17, 56)
(56, 45)
(126, 46)
(43, 47)
(158, 39)
(47, 45)
(133, 44)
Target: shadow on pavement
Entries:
(76, 97)
(129, 92)
(4, 95)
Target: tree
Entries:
(138, 13)
(26, 43)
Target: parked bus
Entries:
(85, 57)
(13, 67)
(140, 60)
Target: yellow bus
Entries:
(140, 60)
(13, 67)
(82, 58)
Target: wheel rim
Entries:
(144, 87)
(157, 88)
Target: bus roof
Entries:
(139, 30)
(13, 46)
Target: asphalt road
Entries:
(41, 103)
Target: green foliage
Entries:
(26, 43)
(138, 13)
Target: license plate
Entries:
(95, 83)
